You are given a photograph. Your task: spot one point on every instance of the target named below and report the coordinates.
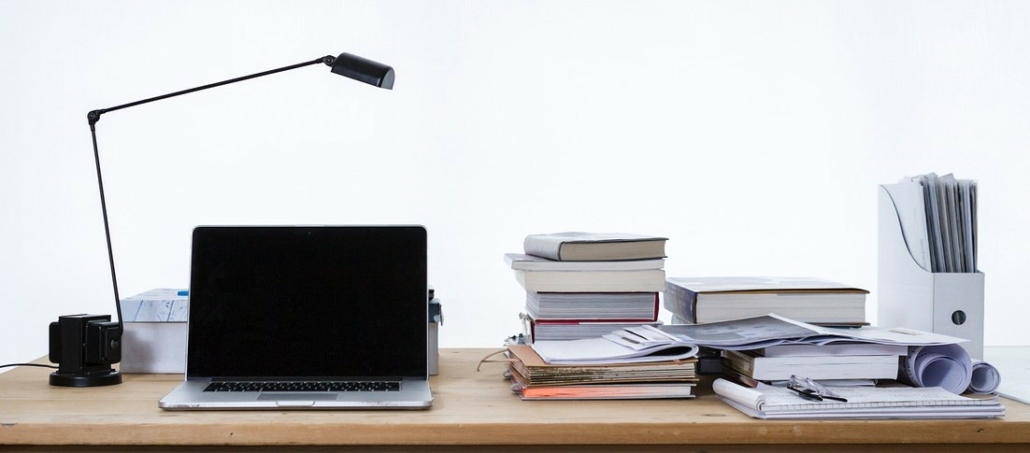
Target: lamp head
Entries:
(362, 70)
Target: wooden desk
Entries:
(471, 409)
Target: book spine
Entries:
(681, 302)
(608, 307)
(740, 362)
(543, 247)
(592, 282)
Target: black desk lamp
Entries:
(85, 346)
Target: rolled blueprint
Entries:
(947, 366)
(985, 379)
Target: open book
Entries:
(604, 350)
(772, 330)
(862, 403)
(670, 342)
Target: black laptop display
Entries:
(318, 304)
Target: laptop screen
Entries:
(308, 302)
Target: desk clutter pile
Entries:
(591, 331)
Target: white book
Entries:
(521, 261)
(814, 367)
(592, 281)
(585, 246)
(592, 351)
(834, 349)
(592, 306)
(573, 330)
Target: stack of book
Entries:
(582, 285)
(533, 378)
(816, 301)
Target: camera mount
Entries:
(85, 346)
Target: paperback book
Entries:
(533, 378)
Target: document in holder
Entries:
(909, 200)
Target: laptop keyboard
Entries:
(328, 386)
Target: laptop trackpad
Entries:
(296, 396)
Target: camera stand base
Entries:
(109, 377)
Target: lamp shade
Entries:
(363, 70)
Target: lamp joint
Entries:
(93, 116)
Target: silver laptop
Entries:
(288, 317)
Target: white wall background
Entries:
(753, 134)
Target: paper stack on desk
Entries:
(932, 360)
(533, 378)
(862, 403)
(938, 220)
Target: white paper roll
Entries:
(946, 366)
(986, 378)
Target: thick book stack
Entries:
(812, 300)
(582, 285)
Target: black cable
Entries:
(29, 364)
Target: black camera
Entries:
(85, 347)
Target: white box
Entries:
(154, 340)
(910, 296)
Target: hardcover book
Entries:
(592, 281)
(523, 262)
(582, 246)
(814, 367)
(812, 300)
(593, 306)
(564, 329)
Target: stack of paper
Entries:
(938, 218)
(862, 403)
(772, 330)
(534, 378)
(934, 360)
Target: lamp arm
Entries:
(94, 116)
(107, 228)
